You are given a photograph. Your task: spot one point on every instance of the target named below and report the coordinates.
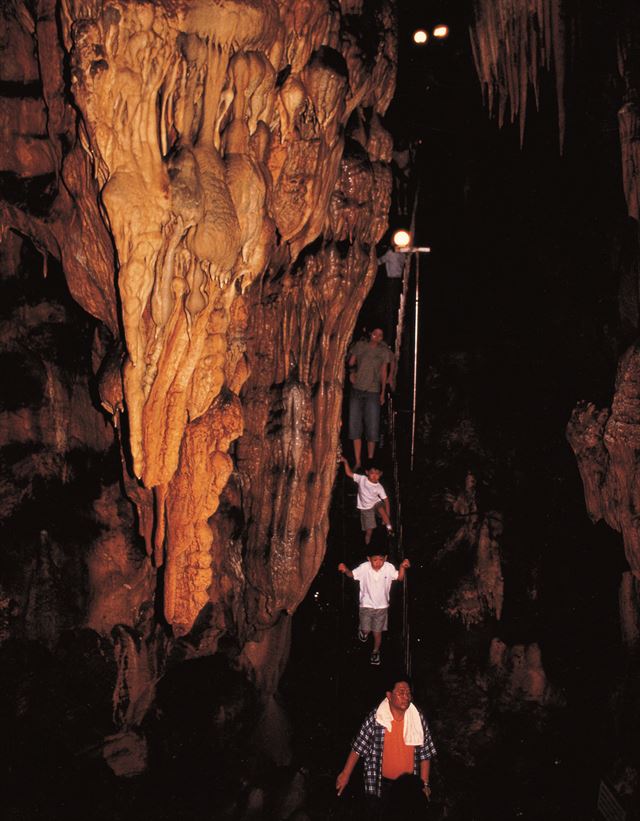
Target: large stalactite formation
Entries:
(212, 176)
(512, 41)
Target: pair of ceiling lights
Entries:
(421, 36)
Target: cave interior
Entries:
(194, 195)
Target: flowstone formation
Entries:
(212, 177)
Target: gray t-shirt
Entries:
(369, 361)
(394, 262)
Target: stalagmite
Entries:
(480, 594)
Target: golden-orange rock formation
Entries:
(217, 176)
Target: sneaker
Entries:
(375, 659)
(362, 635)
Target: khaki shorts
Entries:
(373, 619)
(368, 516)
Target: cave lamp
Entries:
(441, 32)
(401, 239)
(420, 37)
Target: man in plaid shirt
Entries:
(384, 749)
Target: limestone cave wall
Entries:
(210, 178)
(605, 440)
(512, 44)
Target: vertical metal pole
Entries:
(402, 307)
(415, 357)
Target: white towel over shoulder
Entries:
(413, 734)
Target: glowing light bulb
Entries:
(402, 238)
(441, 32)
(420, 37)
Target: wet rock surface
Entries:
(190, 194)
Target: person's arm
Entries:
(342, 568)
(382, 495)
(405, 564)
(425, 754)
(347, 467)
(352, 365)
(343, 778)
(425, 769)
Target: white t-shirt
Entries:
(369, 493)
(375, 584)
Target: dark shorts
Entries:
(364, 415)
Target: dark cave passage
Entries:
(520, 319)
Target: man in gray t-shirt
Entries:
(368, 363)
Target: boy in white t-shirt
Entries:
(375, 577)
(372, 499)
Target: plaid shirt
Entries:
(369, 744)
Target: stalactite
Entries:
(212, 208)
(629, 113)
(512, 42)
